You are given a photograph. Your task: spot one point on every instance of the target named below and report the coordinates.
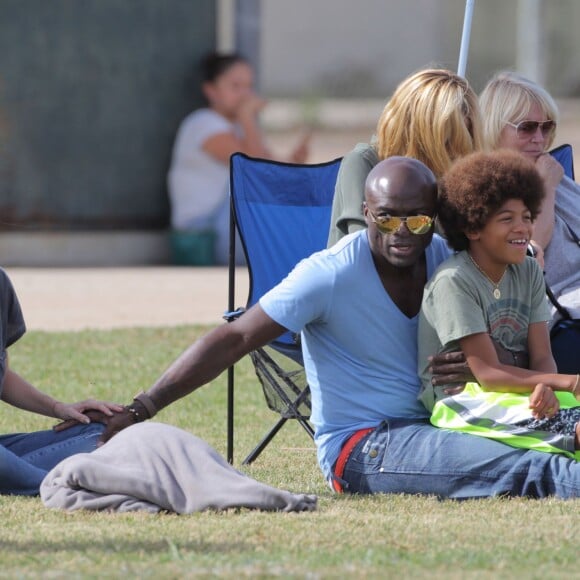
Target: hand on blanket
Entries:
(543, 402)
(450, 370)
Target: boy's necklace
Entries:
(496, 290)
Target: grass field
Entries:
(363, 537)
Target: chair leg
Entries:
(253, 455)
(307, 427)
(261, 446)
(230, 416)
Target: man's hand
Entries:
(450, 370)
(89, 417)
(74, 413)
(115, 424)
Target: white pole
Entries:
(462, 66)
(225, 41)
(531, 40)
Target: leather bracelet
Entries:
(138, 411)
(146, 401)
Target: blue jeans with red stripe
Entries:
(25, 458)
(412, 456)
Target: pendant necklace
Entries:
(496, 290)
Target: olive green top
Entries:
(347, 215)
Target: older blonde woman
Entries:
(520, 114)
(432, 116)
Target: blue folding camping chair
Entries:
(565, 333)
(281, 212)
(565, 156)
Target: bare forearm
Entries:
(200, 363)
(212, 354)
(551, 172)
(21, 394)
(514, 379)
(544, 224)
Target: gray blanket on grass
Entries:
(155, 467)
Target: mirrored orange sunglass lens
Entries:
(419, 224)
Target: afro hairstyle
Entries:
(476, 186)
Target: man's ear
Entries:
(365, 211)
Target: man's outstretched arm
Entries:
(204, 360)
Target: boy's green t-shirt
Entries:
(458, 301)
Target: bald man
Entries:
(356, 305)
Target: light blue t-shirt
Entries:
(360, 350)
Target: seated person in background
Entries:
(198, 179)
(432, 116)
(491, 292)
(356, 306)
(25, 458)
(521, 115)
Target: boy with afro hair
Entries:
(490, 294)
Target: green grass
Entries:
(366, 537)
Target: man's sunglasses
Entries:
(389, 224)
(527, 129)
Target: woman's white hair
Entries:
(508, 98)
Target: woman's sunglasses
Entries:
(389, 224)
(526, 129)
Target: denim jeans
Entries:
(25, 458)
(404, 456)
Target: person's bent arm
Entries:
(251, 142)
(21, 394)
(552, 173)
(204, 360)
(494, 376)
(224, 145)
(451, 370)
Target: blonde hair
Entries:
(508, 98)
(432, 116)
